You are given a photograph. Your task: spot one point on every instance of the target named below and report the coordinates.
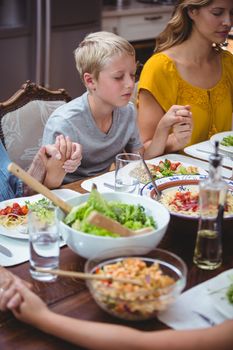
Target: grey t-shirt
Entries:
(74, 119)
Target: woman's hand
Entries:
(182, 133)
(176, 115)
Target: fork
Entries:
(205, 318)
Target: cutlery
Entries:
(209, 152)
(112, 187)
(5, 251)
(205, 318)
(114, 226)
(157, 191)
(88, 276)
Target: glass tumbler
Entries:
(127, 167)
(44, 242)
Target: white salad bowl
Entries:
(88, 245)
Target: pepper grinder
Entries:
(212, 197)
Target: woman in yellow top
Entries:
(190, 68)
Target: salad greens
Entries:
(227, 141)
(40, 207)
(129, 215)
(229, 293)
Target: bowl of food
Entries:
(150, 283)
(180, 195)
(132, 211)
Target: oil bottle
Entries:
(212, 197)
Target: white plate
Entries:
(217, 292)
(20, 231)
(180, 183)
(110, 176)
(200, 171)
(219, 137)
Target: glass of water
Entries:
(127, 167)
(44, 241)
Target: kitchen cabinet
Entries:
(136, 27)
(137, 22)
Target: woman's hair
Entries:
(180, 25)
(96, 49)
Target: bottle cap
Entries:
(215, 158)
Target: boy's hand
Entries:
(71, 153)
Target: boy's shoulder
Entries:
(77, 105)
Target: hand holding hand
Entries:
(25, 305)
(8, 291)
(176, 114)
(71, 153)
(183, 130)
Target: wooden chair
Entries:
(23, 117)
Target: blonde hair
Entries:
(96, 49)
(180, 25)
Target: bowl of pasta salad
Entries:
(161, 276)
(180, 195)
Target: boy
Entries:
(103, 120)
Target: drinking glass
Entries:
(127, 166)
(44, 242)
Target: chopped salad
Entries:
(130, 301)
(163, 169)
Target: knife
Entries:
(5, 251)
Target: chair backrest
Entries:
(23, 117)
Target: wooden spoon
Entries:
(114, 226)
(38, 187)
(88, 276)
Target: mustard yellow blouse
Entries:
(211, 108)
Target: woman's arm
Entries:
(155, 126)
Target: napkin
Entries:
(20, 247)
(182, 314)
(207, 148)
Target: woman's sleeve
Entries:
(159, 77)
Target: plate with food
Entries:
(166, 168)
(221, 293)
(180, 195)
(225, 140)
(14, 212)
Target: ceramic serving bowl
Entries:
(161, 273)
(88, 245)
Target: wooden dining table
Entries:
(71, 297)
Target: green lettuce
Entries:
(129, 215)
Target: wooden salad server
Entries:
(114, 226)
(88, 276)
(38, 187)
